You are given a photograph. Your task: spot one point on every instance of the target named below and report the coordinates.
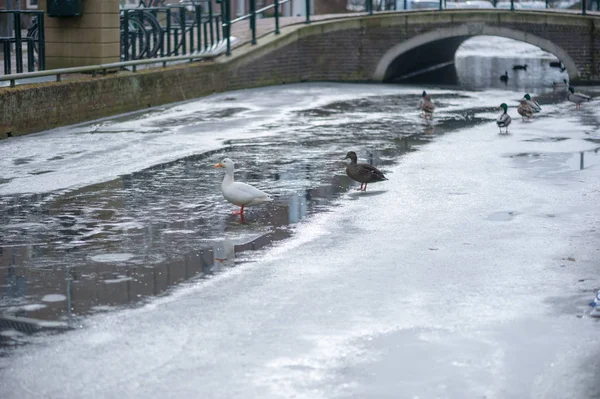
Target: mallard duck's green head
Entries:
(504, 107)
(424, 93)
(527, 97)
(351, 155)
(572, 90)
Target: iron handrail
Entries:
(226, 26)
(170, 30)
(275, 4)
(369, 9)
(18, 39)
(101, 67)
(225, 11)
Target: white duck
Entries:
(240, 194)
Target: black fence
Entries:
(151, 32)
(514, 5)
(22, 47)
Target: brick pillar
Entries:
(90, 39)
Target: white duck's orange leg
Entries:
(240, 212)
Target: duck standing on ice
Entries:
(504, 119)
(535, 107)
(240, 194)
(362, 172)
(577, 98)
(426, 105)
(525, 109)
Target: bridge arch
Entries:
(439, 46)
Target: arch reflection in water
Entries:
(481, 60)
(478, 62)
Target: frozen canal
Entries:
(466, 275)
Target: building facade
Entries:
(18, 4)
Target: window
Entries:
(32, 3)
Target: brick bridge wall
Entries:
(350, 50)
(342, 50)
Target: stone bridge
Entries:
(389, 45)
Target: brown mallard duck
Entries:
(362, 172)
(535, 107)
(427, 106)
(525, 109)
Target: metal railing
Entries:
(103, 68)
(373, 6)
(252, 16)
(29, 49)
(150, 32)
(210, 38)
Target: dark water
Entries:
(474, 72)
(480, 73)
(63, 256)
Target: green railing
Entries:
(164, 31)
(34, 53)
(276, 6)
(374, 6)
(194, 27)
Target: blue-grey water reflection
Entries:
(480, 62)
(476, 73)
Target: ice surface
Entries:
(99, 151)
(111, 258)
(451, 280)
(35, 306)
(119, 279)
(54, 298)
(497, 46)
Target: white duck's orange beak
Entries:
(219, 165)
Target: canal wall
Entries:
(30, 108)
(343, 50)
